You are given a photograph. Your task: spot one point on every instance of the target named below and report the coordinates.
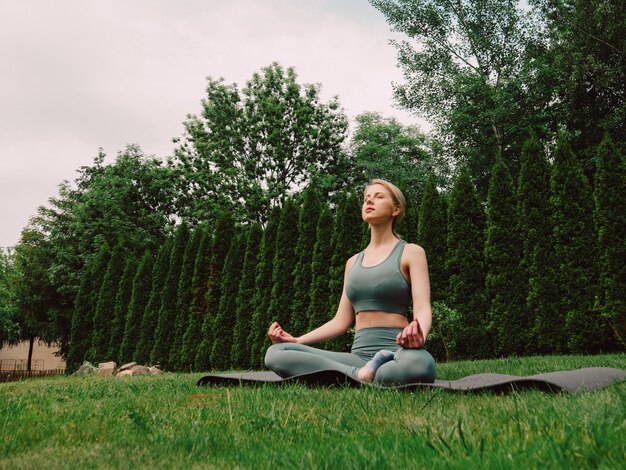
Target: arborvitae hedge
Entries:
(576, 250)
(240, 356)
(150, 315)
(262, 290)
(431, 235)
(320, 303)
(505, 289)
(166, 322)
(225, 320)
(199, 286)
(122, 300)
(224, 234)
(465, 266)
(142, 283)
(84, 308)
(610, 219)
(307, 231)
(105, 308)
(184, 299)
(534, 215)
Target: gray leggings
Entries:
(407, 366)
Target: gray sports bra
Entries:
(381, 287)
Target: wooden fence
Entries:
(12, 375)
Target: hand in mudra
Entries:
(278, 335)
(411, 337)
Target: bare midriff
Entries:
(369, 319)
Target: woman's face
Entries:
(378, 204)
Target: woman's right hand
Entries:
(278, 335)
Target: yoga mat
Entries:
(572, 381)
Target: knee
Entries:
(421, 365)
(272, 356)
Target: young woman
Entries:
(379, 284)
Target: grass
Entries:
(167, 422)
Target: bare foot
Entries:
(366, 374)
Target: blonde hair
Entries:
(396, 196)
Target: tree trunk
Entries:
(30, 353)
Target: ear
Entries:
(396, 211)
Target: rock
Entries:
(154, 370)
(139, 370)
(124, 373)
(127, 366)
(106, 369)
(86, 369)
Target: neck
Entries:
(381, 235)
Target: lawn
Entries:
(167, 422)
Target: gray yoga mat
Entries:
(573, 381)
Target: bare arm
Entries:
(415, 334)
(331, 329)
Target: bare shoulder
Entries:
(413, 252)
(351, 261)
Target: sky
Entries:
(82, 75)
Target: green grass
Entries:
(167, 422)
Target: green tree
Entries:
(535, 217)
(240, 356)
(197, 312)
(9, 329)
(166, 323)
(184, 299)
(431, 235)
(285, 260)
(105, 308)
(224, 325)
(307, 232)
(151, 313)
(576, 249)
(85, 307)
(465, 266)
(505, 286)
(224, 234)
(122, 300)
(610, 220)
(142, 283)
(250, 148)
(467, 67)
(263, 289)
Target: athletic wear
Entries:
(381, 287)
(407, 365)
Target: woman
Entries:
(379, 284)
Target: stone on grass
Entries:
(106, 369)
(87, 368)
(128, 366)
(154, 370)
(139, 370)
(125, 373)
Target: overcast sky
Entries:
(79, 75)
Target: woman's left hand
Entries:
(411, 337)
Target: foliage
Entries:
(140, 295)
(465, 266)
(610, 221)
(122, 300)
(505, 286)
(9, 329)
(249, 149)
(446, 331)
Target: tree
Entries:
(284, 262)
(576, 249)
(465, 266)
(610, 221)
(467, 66)
(224, 234)
(105, 308)
(505, 286)
(151, 314)
(9, 329)
(240, 356)
(166, 323)
(142, 283)
(84, 308)
(122, 300)
(225, 319)
(184, 298)
(199, 286)
(263, 289)
(307, 231)
(249, 149)
(534, 213)
(431, 235)
(320, 302)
